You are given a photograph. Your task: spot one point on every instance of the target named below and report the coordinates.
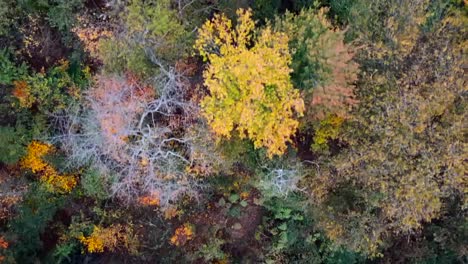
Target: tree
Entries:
(249, 83)
(149, 28)
(311, 43)
(404, 164)
(324, 71)
(12, 145)
(322, 63)
(138, 137)
(7, 17)
(156, 23)
(59, 13)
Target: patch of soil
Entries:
(50, 236)
(303, 140)
(192, 69)
(238, 231)
(250, 218)
(98, 4)
(243, 244)
(42, 45)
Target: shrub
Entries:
(8, 10)
(9, 71)
(94, 185)
(36, 211)
(182, 234)
(290, 236)
(3, 246)
(110, 238)
(63, 252)
(212, 250)
(12, 144)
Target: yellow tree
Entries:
(249, 82)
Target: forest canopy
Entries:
(261, 131)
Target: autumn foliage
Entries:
(149, 200)
(322, 63)
(3, 245)
(246, 131)
(406, 153)
(249, 83)
(22, 93)
(109, 238)
(34, 161)
(118, 102)
(182, 234)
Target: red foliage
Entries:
(337, 96)
(117, 101)
(21, 92)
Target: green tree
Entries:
(59, 13)
(36, 211)
(52, 91)
(157, 23)
(312, 42)
(323, 68)
(12, 144)
(8, 9)
(154, 36)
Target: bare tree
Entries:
(281, 181)
(143, 145)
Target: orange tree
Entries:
(249, 83)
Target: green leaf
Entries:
(298, 217)
(283, 213)
(222, 202)
(235, 212)
(283, 227)
(234, 198)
